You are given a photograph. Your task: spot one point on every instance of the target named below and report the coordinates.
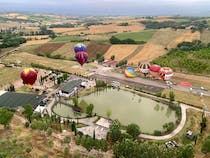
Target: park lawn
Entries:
(144, 35)
(27, 59)
(188, 98)
(68, 39)
(8, 75)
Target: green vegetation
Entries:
(137, 37)
(5, 117)
(89, 110)
(133, 130)
(68, 39)
(28, 111)
(130, 149)
(206, 145)
(196, 25)
(115, 131)
(10, 39)
(66, 25)
(191, 57)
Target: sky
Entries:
(109, 7)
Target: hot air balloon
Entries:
(80, 48)
(29, 76)
(166, 73)
(81, 57)
(130, 72)
(154, 70)
(144, 68)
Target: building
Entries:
(14, 100)
(70, 88)
(110, 63)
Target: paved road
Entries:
(184, 107)
(149, 82)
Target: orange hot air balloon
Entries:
(29, 76)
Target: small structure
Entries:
(115, 84)
(70, 88)
(190, 135)
(110, 63)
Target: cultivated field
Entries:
(165, 36)
(148, 53)
(144, 35)
(100, 29)
(43, 41)
(94, 48)
(120, 51)
(67, 50)
(26, 59)
(67, 39)
(205, 36)
(69, 31)
(39, 37)
(8, 75)
(48, 48)
(187, 36)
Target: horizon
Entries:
(109, 7)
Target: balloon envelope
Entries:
(80, 47)
(81, 57)
(130, 72)
(144, 68)
(166, 73)
(29, 76)
(154, 70)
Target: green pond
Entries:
(127, 107)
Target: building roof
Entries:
(110, 63)
(13, 100)
(69, 86)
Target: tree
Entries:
(74, 127)
(5, 117)
(108, 113)
(206, 145)
(75, 101)
(171, 96)
(188, 151)
(65, 76)
(133, 130)
(89, 110)
(203, 124)
(28, 111)
(127, 148)
(115, 131)
(112, 57)
(66, 151)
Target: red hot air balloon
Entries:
(81, 57)
(166, 73)
(154, 70)
(29, 76)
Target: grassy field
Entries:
(205, 36)
(8, 75)
(48, 48)
(29, 48)
(67, 39)
(193, 124)
(144, 35)
(26, 59)
(188, 98)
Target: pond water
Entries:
(128, 108)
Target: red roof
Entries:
(111, 63)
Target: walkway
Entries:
(184, 107)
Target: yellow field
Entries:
(70, 31)
(36, 42)
(99, 29)
(8, 75)
(26, 59)
(39, 37)
(148, 53)
(120, 51)
(205, 36)
(187, 36)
